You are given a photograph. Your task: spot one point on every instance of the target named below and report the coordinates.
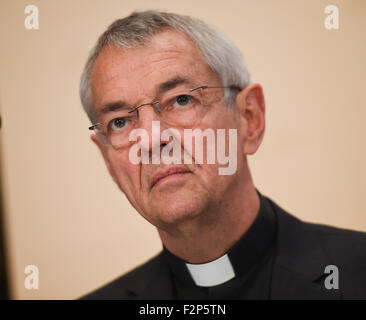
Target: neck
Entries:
(201, 241)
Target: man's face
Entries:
(133, 76)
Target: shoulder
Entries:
(347, 247)
(337, 242)
(125, 286)
(328, 235)
(304, 252)
(308, 248)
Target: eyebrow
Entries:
(113, 106)
(171, 84)
(163, 87)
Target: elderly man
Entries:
(153, 72)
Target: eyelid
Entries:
(187, 92)
(106, 124)
(115, 115)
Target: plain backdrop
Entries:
(64, 214)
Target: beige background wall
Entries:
(63, 212)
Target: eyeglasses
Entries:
(179, 108)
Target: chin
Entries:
(174, 209)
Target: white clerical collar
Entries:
(212, 273)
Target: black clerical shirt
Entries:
(278, 257)
(251, 258)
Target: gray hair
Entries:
(220, 53)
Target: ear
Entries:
(251, 106)
(102, 150)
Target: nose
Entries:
(149, 120)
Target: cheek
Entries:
(230, 152)
(127, 175)
(225, 119)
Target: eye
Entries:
(118, 124)
(183, 100)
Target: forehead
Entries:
(135, 73)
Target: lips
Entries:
(161, 174)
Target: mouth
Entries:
(168, 174)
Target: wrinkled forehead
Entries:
(135, 74)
